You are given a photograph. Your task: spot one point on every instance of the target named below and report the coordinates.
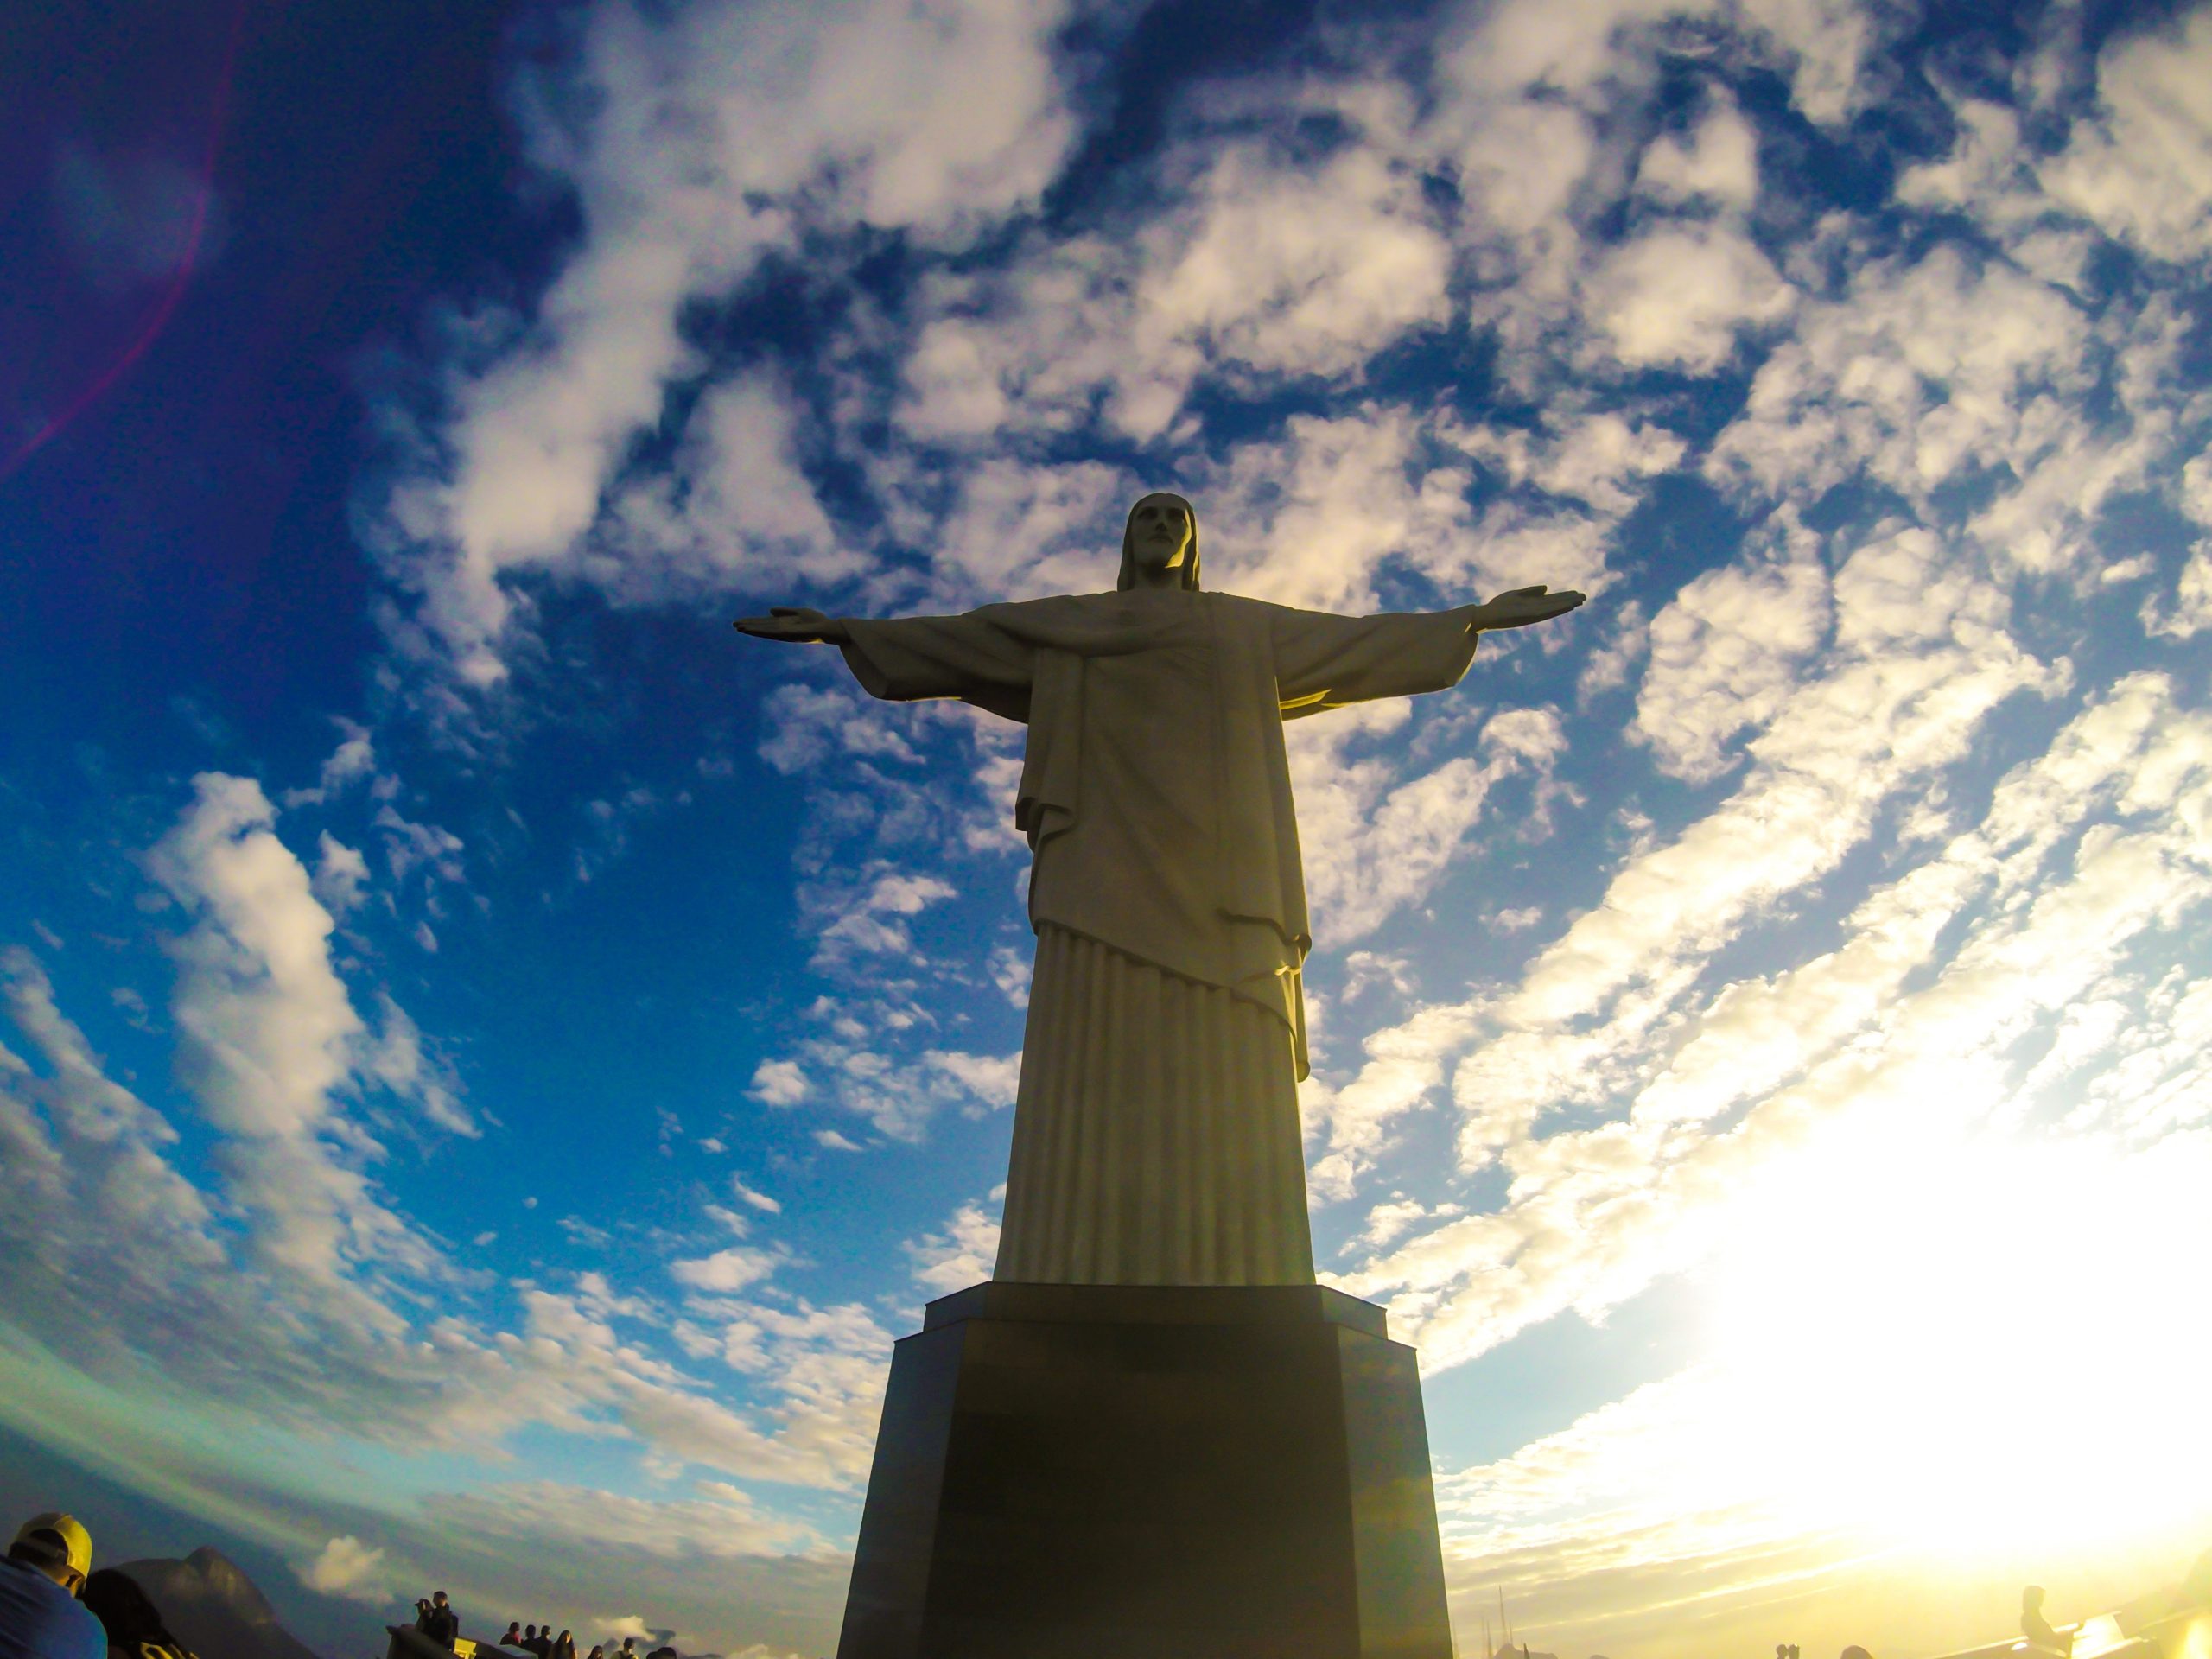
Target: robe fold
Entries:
(1155, 796)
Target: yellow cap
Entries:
(70, 1530)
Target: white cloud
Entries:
(736, 512)
(962, 1254)
(350, 1568)
(354, 758)
(1718, 161)
(2190, 613)
(1725, 654)
(1261, 262)
(1373, 839)
(1920, 375)
(2142, 167)
(340, 872)
(862, 914)
(806, 725)
(991, 1078)
(268, 1036)
(1679, 297)
(779, 1082)
(725, 1270)
(697, 141)
(760, 1201)
(395, 1059)
(1842, 1056)
(410, 846)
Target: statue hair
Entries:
(1188, 569)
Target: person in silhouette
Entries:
(564, 1647)
(40, 1615)
(442, 1624)
(542, 1646)
(2037, 1628)
(134, 1626)
(513, 1637)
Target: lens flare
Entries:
(1996, 1351)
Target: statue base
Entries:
(1097, 1472)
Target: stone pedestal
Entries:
(1082, 1471)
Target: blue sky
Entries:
(492, 1059)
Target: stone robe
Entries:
(1156, 1136)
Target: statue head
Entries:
(1162, 533)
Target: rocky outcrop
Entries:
(214, 1609)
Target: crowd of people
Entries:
(54, 1605)
(436, 1619)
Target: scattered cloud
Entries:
(961, 1255)
(350, 1568)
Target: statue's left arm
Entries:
(1323, 661)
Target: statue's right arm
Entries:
(797, 624)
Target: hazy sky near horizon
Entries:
(490, 1060)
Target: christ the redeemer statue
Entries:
(1156, 1130)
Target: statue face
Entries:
(1160, 533)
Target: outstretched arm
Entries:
(795, 623)
(909, 658)
(1323, 661)
(1519, 606)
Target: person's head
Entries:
(56, 1545)
(532, 1630)
(438, 1599)
(1161, 534)
(564, 1636)
(2031, 1599)
(514, 1627)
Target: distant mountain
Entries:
(214, 1609)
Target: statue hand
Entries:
(796, 623)
(1522, 605)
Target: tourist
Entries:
(40, 1615)
(564, 1647)
(513, 1637)
(2037, 1628)
(441, 1623)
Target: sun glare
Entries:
(1995, 1349)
